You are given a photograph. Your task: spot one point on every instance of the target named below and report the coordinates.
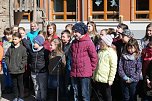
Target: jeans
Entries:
(7, 77)
(40, 85)
(129, 91)
(18, 87)
(81, 87)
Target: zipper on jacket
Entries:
(36, 61)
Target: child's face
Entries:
(125, 38)
(22, 32)
(149, 31)
(50, 30)
(131, 49)
(65, 38)
(102, 33)
(33, 27)
(53, 46)
(16, 40)
(77, 35)
(15, 29)
(36, 46)
(119, 30)
(90, 28)
(102, 44)
(9, 37)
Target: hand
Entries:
(128, 81)
(110, 83)
(148, 83)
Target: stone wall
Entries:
(4, 15)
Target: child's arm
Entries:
(7, 56)
(1, 57)
(24, 57)
(121, 70)
(93, 55)
(113, 67)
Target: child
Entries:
(16, 59)
(1, 57)
(7, 41)
(92, 32)
(57, 67)
(130, 70)
(69, 27)
(39, 60)
(106, 69)
(51, 34)
(84, 61)
(147, 69)
(66, 36)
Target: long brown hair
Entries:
(94, 27)
(133, 43)
(146, 37)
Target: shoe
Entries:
(20, 99)
(15, 99)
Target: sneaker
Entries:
(20, 99)
(15, 99)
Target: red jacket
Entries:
(84, 57)
(146, 57)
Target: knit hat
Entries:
(39, 40)
(128, 33)
(80, 27)
(107, 39)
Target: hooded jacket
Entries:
(84, 57)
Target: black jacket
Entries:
(37, 60)
(16, 59)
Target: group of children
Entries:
(88, 64)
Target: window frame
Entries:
(64, 13)
(135, 12)
(105, 12)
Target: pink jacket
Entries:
(84, 57)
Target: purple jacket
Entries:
(130, 69)
(84, 57)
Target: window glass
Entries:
(142, 5)
(58, 5)
(111, 11)
(71, 5)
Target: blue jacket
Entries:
(32, 35)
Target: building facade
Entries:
(106, 13)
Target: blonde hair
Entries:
(58, 43)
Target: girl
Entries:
(106, 69)
(130, 69)
(51, 34)
(92, 31)
(16, 59)
(57, 62)
(147, 70)
(145, 40)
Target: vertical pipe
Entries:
(82, 10)
(49, 10)
(34, 12)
